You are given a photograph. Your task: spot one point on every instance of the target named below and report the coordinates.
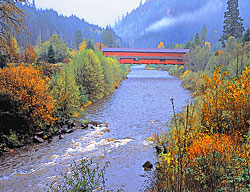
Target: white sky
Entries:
(101, 12)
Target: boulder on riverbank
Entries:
(38, 139)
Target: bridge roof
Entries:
(145, 50)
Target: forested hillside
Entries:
(174, 21)
(42, 24)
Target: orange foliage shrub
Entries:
(26, 84)
(225, 105)
(210, 144)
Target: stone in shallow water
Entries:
(147, 166)
(107, 130)
(110, 139)
(60, 137)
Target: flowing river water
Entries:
(138, 109)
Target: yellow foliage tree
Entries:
(161, 45)
(83, 45)
(13, 50)
(208, 44)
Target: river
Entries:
(139, 108)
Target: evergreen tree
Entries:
(59, 47)
(108, 37)
(140, 3)
(197, 40)
(39, 41)
(78, 39)
(51, 55)
(89, 45)
(34, 4)
(233, 22)
(2, 60)
(203, 34)
(246, 36)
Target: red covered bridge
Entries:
(147, 56)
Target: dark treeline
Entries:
(42, 24)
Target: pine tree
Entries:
(89, 45)
(140, 3)
(197, 40)
(108, 37)
(233, 22)
(33, 4)
(246, 36)
(78, 39)
(203, 34)
(39, 41)
(2, 60)
(51, 55)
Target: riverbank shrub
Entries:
(66, 92)
(26, 84)
(96, 74)
(207, 146)
(89, 73)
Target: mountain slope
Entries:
(174, 21)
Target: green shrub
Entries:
(85, 176)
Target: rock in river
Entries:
(147, 166)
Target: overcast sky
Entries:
(101, 12)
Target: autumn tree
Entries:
(13, 54)
(83, 45)
(30, 54)
(233, 25)
(12, 22)
(161, 45)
